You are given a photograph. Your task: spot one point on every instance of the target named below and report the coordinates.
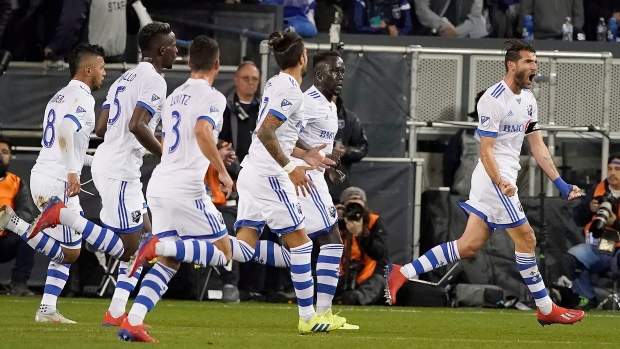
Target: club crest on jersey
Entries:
(332, 211)
(286, 105)
(80, 111)
(485, 120)
(341, 124)
(529, 110)
(154, 98)
(298, 206)
(135, 216)
(213, 109)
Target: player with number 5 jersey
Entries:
(128, 119)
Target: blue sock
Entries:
(436, 257)
(327, 273)
(153, 286)
(530, 274)
(101, 238)
(301, 275)
(270, 253)
(124, 287)
(241, 251)
(57, 275)
(191, 251)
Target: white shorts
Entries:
(42, 188)
(487, 201)
(122, 203)
(182, 219)
(268, 199)
(318, 208)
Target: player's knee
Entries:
(468, 250)
(529, 239)
(71, 255)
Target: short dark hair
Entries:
(287, 47)
(150, 32)
(322, 56)
(203, 53)
(6, 141)
(79, 52)
(513, 47)
(611, 157)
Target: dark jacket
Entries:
(550, 15)
(5, 14)
(594, 10)
(230, 134)
(72, 27)
(351, 134)
(582, 215)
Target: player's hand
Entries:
(300, 180)
(335, 175)
(226, 183)
(507, 188)
(575, 193)
(594, 205)
(313, 157)
(227, 154)
(73, 185)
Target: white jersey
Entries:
(120, 154)
(73, 102)
(282, 98)
(182, 169)
(320, 122)
(507, 117)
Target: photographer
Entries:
(598, 212)
(365, 251)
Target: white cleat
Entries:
(55, 317)
(6, 213)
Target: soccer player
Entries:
(68, 122)
(128, 119)
(186, 225)
(508, 112)
(269, 182)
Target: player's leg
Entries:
(525, 246)
(476, 234)
(328, 271)
(270, 253)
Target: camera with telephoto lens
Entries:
(608, 204)
(353, 211)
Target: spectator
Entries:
(584, 260)
(504, 16)
(549, 16)
(596, 9)
(462, 18)
(71, 28)
(14, 193)
(325, 15)
(350, 144)
(5, 13)
(391, 17)
(365, 251)
(107, 26)
(298, 14)
(461, 156)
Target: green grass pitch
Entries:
(187, 324)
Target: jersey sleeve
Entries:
(532, 124)
(286, 103)
(81, 111)
(489, 116)
(212, 109)
(152, 94)
(109, 98)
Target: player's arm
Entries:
(102, 123)
(68, 126)
(545, 161)
(487, 157)
(139, 126)
(208, 146)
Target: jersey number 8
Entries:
(49, 132)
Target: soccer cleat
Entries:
(395, 280)
(336, 319)
(147, 252)
(6, 213)
(559, 315)
(318, 323)
(55, 317)
(49, 217)
(109, 320)
(349, 327)
(138, 333)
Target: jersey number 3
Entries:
(117, 104)
(175, 130)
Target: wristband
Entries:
(563, 187)
(290, 167)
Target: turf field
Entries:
(186, 324)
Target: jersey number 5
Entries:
(175, 130)
(117, 104)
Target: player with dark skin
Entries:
(161, 52)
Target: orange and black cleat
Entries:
(138, 333)
(559, 315)
(395, 280)
(49, 217)
(109, 320)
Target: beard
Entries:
(522, 78)
(4, 168)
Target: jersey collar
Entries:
(81, 84)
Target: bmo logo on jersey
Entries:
(326, 135)
(513, 128)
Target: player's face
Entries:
(247, 80)
(97, 73)
(304, 63)
(525, 69)
(331, 75)
(170, 51)
(613, 174)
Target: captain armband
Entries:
(531, 127)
